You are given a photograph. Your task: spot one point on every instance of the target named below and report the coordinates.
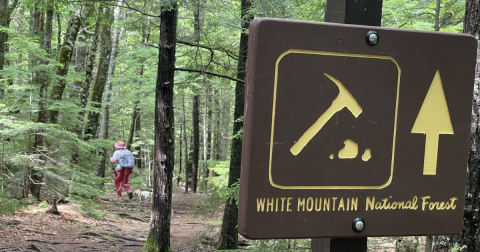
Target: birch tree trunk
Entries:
(64, 57)
(229, 233)
(159, 235)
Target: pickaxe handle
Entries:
(336, 106)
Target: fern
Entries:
(9, 205)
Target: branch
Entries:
(208, 48)
(402, 25)
(87, 32)
(209, 73)
(229, 53)
(426, 13)
(114, 3)
(126, 5)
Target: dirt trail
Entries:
(124, 228)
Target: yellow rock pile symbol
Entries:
(351, 151)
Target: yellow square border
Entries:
(298, 51)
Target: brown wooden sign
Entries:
(339, 128)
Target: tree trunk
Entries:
(117, 33)
(468, 239)
(217, 136)
(225, 139)
(188, 168)
(428, 243)
(108, 87)
(196, 142)
(89, 75)
(208, 129)
(229, 233)
(42, 78)
(132, 125)
(138, 128)
(437, 16)
(80, 62)
(64, 58)
(6, 9)
(180, 147)
(102, 73)
(185, 144)
(159, 235)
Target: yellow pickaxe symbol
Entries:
(344, 99)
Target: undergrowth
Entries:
(10, 205)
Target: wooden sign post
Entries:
(363, 12)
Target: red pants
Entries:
(121, 179)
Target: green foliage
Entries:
(139, 179)
(87, 207)
(458, 248)
(43, 204)
(219, 191)
(420, 15)
(281, 245)
(9, 205)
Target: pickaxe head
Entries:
(345, 98)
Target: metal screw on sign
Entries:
(372, 38)
(358, 225)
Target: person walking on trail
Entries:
(124, 161)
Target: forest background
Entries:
(77, 76)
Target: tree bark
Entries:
(180, 147)
(6, 9)
(208, 129)
(42, 78)
(117, 33)
(102, 73)
(132, 125)
(217, 137)
(64, 57)
(428, 243)
(138, 128)
(196, 142)
(225, 139)
(80, 63)
(108, 87)
(185, 144)
(85, 86)
(159, 235)
(468, 240)
(229, 233)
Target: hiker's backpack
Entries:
(126, 159)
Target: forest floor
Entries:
(125, 226)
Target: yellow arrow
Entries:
(433, 120)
